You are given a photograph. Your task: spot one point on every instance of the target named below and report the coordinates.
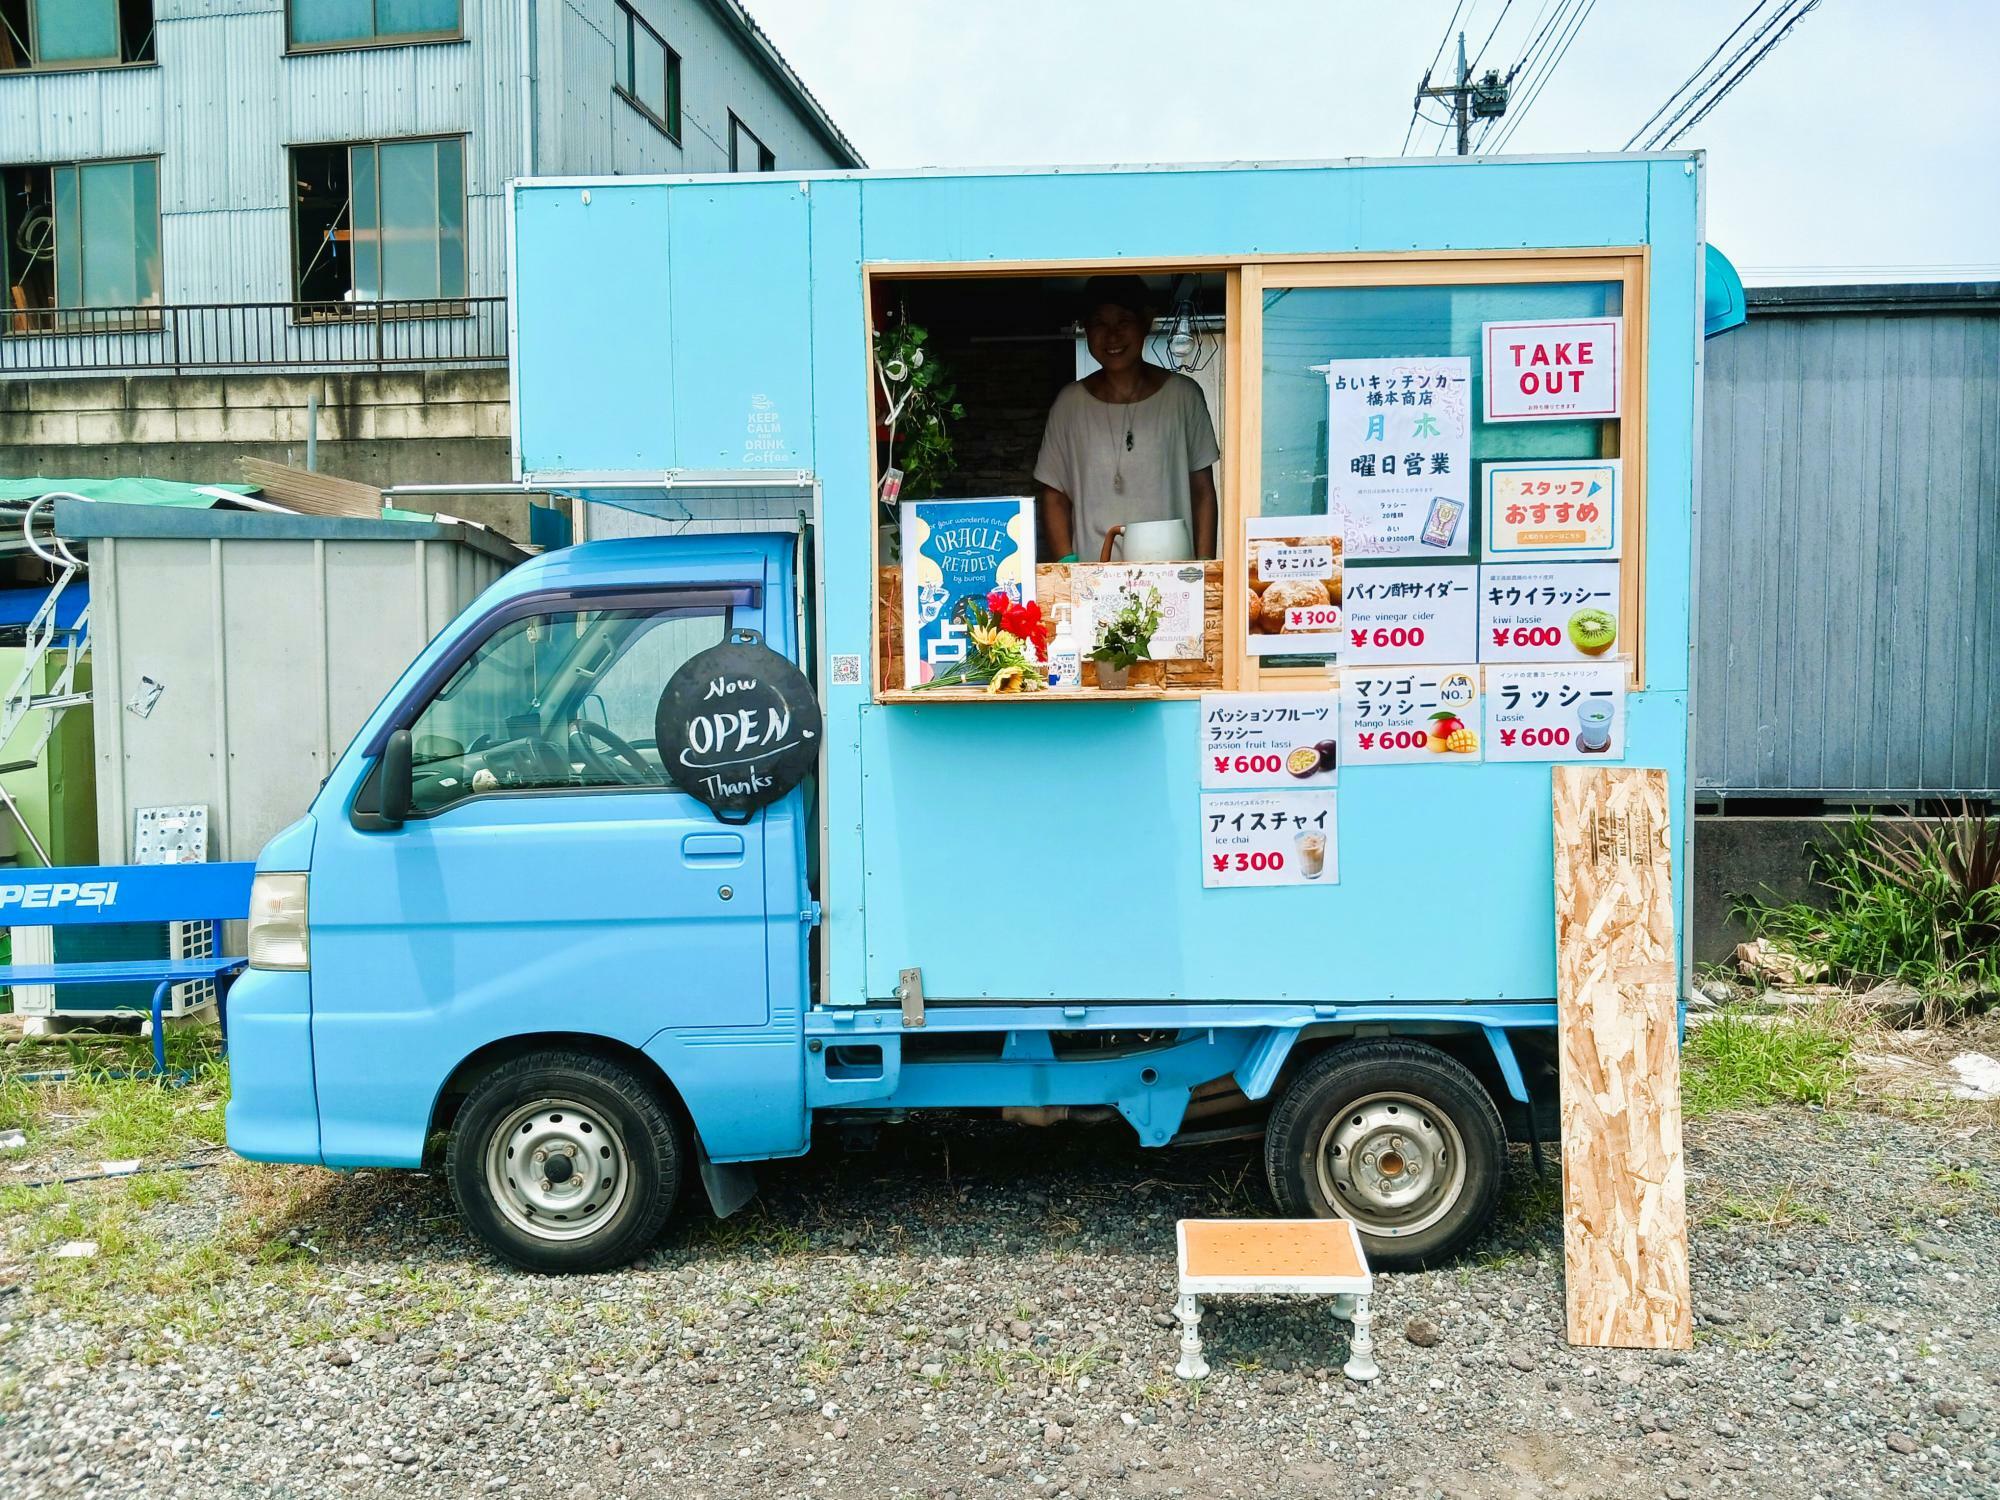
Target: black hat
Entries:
(1128, 292)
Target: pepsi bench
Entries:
(101, 895)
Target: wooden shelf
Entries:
(1081, 695)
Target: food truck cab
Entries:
(678, 845)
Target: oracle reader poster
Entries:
(1399, 455)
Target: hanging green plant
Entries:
(920, 402)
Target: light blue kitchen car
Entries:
(504, 925)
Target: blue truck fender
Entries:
(1258, 1073)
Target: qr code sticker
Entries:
(846, 671)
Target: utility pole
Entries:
(1484, 99)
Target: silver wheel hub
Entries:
(556, 1169)
(1391, 1163)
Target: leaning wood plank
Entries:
(311, 493)
(1624, 1184)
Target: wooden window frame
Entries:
(1239, 430)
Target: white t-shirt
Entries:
(1157, 443)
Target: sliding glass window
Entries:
(337, 23)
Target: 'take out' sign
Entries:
(1543, 372)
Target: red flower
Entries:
(997, 601)
(1025, 621)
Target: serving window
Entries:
(1352, 420)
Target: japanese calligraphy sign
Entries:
(1556, 713)
(1275, 740)
(1398, 452)
(1183, 602)
(1563, 612)
(1400, 614)
(1295, 585)
(1268, 838)
(1554, 511)
(1548, 372)
(1397, 715)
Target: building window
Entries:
(56, 34)
(83, 235)
(746, 152)
(380, 221)
(648, 71)
(348, 23)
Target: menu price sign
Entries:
(1399, 454)
(1554, 512)
(1400, 614)
(1295, 586)
(1562, 612)
(1556, 713)
(1285, 741)
(1400, 716)
(1268, 838)
(1552, 371)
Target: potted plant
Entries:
(1124, 649)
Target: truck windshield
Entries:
(562, 699)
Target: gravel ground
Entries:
(967, 1309)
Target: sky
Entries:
(1863, 147)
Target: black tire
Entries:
(588, 1116)
(1392, 1102)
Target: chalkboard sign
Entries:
(738, 726)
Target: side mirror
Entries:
(396, 779)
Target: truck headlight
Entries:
(278, 922)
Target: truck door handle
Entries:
(712, 846)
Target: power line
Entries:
(1539, 31)
(1689, 80)
(1725, 78)
(1555, 62)
(1418, 103)
(1489, 35)
(1727, 88)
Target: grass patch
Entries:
(1781, 1210)
(1736, 1062)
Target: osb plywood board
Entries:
(1624, 1183)
(1052, 587)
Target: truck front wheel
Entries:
(1396, 1136)
(562, 1161)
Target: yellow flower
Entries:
(1006, 640)
(1006, 680)
(983, 636)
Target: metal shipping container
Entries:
(269, 639)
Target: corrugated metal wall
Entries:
(226, 103)
(1848, 642)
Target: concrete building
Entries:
(220, 219)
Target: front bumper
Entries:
(273, 1112)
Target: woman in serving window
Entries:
(1129, 442)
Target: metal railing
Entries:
(222, 336)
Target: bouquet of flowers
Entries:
(1005, 641)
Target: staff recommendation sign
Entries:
(1553, 371)
(1554, 511)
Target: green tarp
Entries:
(119, 491)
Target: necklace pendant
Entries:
(1118, 483)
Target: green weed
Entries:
(1781, 1210)
(1918, 904)
(1733, 1062)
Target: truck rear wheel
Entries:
(1396, 1136)
(562, 1161)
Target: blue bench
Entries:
(101, 895)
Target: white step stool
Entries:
(1259, 1257)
